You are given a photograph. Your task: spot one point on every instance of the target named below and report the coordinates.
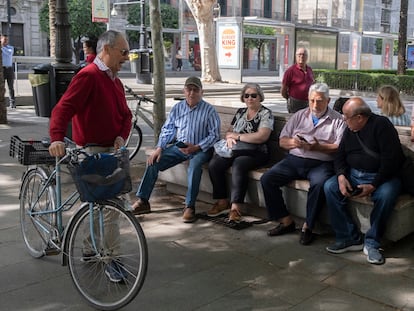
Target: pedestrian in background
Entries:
(389, 101)
(296, 82)
(89, 48)
(188, 134)
(179, 58)
(8, 72)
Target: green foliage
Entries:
(365, 80)
(251, 43)
(80, 19)
(169, 18)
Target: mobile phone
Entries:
(302, 138)
(355, 191)
(180, 144)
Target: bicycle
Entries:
(134, 140)
(102, 243)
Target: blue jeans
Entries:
(384, 198)
(170, 157)
(291, 168)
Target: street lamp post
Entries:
(143, 75)
(143, 72)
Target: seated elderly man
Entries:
(311, 136)
(367, 163)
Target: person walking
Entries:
(7, 58)
(179, 58)
(296, 82)
(188, 134)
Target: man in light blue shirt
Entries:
(7, 57)
(194, 126)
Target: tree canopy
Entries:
(80, 18)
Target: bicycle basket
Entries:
(102, 176)
(30, 152)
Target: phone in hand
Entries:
(355, 191)
(302, 138)
(180, 144)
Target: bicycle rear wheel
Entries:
(134, 140)
(35, 199)
(119, 242)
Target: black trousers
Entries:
(240, 167)
(9, 77)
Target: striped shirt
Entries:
(199, 125)
(402, 120)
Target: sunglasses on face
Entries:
(124, 52)
(250, 95)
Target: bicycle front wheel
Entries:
(108, 255)
(134, 140)
(37, 202)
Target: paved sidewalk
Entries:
(201, 266)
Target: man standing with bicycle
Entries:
(195, 126)
(95, 102)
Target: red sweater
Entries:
(98, 107)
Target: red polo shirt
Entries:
(298, 81)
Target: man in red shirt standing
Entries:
(296, 82)
(95, 101)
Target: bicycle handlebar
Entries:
(139, 97)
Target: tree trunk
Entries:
(52, 27)
(203, 14)
(402, 38)
(158, 65)
(3, 108)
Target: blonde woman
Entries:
(388, 100)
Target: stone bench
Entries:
(401, 222)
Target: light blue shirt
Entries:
(7, 51)
(199, 125)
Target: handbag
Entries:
(222, 149)
(102, 176)
(238, 149)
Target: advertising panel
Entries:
(229, 45)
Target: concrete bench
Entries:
(401, 222)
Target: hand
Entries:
(190, 149)
(119, 142)
(57, 149)
(155, 156)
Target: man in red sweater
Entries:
(95, 101)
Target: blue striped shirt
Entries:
(199, 125)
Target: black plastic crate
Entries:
(30, 152)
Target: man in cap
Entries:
(189, 133)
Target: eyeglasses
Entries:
(301, 54)
(250, 95)
(124, 52)
(349, 118)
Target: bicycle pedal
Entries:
(51, 251)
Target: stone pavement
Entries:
(201, 266)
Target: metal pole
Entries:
(8, 20)
(143, 74)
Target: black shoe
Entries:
(306, 237)
(282, 229)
